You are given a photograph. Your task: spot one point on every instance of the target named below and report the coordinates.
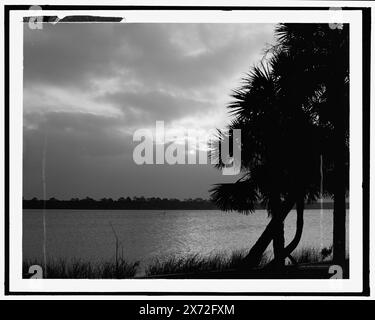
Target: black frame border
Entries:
(366, 65)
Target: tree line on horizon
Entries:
(123, 203)
(137, 203)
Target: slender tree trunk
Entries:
(278, 240)
(340, 176)
(339, 103)
(256, 252)
(297, 237)
(300, 206)
(278, 244)
(339, 213)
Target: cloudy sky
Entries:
(88, 87)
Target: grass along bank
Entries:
(192, 264)
(79, 269)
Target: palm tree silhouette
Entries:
(287, 118)
(279, 156)
(321, 57)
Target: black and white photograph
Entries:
(207, 151)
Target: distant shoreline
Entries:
(139, 204)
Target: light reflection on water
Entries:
(145, 234)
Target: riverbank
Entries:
(311, 263)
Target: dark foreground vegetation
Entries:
(80, 269)
(309, 263)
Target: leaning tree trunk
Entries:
(300, 206)
(297, 236)
(256, 252)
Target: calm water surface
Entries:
(145, 234)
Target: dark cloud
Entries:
(87, 87)
(65, 53)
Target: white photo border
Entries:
(190, 286)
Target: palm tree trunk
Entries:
(297, 237)
(300, 206)
(278, 244)
(256, 252)
(340, 105)
(340, 176)
(339, 213)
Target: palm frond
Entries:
(241, 196)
